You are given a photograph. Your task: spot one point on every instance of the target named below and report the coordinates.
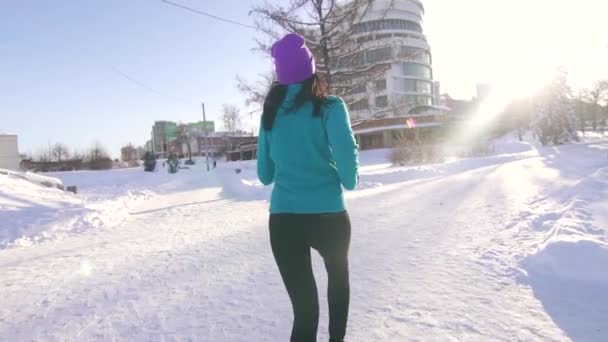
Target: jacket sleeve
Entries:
(264, 163)
(342, 143)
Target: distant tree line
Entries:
(556, 114)
(59, 158)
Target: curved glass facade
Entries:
(413, 86)
(397, 44)
(377, 55)
(387, 24)
(416, 100)
(414, 54)
(417, 70)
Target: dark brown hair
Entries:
(313, 90)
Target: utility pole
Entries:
(206, 137)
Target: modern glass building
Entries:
(390, 34)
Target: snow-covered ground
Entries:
(507, 247)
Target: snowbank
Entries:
(582, 260)
(106, 198)
(28, 209)
(243, 185)
(34, 209)
(44, 180)
(567, 230)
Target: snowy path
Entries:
(427, 264)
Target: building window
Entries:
(417, 100)
(409, 85)
(384, 35)
(359, 105)
(382, 101)
(356, 59)
(414, 86)
(358, 89)
(406, 85)
(417, 70)
(414, 54)
(380, 84)
(387, 24)
(424, 87)
(410, 35)
(378, 55)
(365, 38)
(352, 60)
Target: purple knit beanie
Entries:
(293, 61)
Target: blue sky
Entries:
(57, 59)
(58, 82)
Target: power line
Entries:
(209, 15)
(96, 60)
(142, 85)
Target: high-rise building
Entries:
(403, 96)
(163, 132)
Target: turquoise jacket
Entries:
(308, 158)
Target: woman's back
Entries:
(308, 157)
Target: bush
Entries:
(409, 152)
(149, 162)
(173, 162)
(481, 148)
(101, 164)
(190, 162)
(400, 155)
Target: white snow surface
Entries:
(507, 247)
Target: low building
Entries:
(129, 153)
(389, 132)
(140, 152)
(244, 152)
(215, 144)
(165, 135)
(9, 152)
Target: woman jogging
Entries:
(307, 148)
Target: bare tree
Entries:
(60, 152)
(255, 93)
(78, 155)
(98, 157)
(596, 95)
(97, 151)
(328, 26)
(185, 136)
(605, 119)
(554, 120)
(342, 48)
(231, 116)
(43, 156)
(581, 106)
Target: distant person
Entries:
(307, 148)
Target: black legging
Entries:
(291, 237)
